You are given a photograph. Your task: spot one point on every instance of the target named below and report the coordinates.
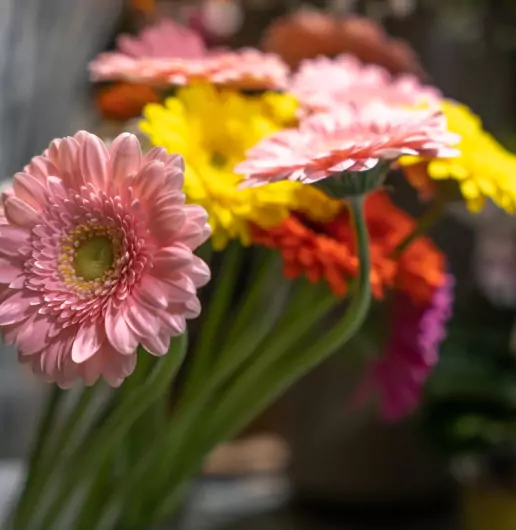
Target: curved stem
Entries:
(264, 380)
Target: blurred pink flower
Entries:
(170, 54)
(350, 139)
(164, 40)
(249, 69)
(321, 84)
(411, 353)
(96, 257)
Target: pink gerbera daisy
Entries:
(165, 40)
(411, 353)
(96, 257)
(350, 139)
(170, 54)
(322, 84)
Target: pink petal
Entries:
(40, 167)
(141, 320)
(16, 307)
(196, 229)
(170, 259)
(93, 161)
(200, 272)
(149, 180)
(180, 288)
(10, 269)
(168, 221)
(20, 213)
(87, 342)
(31, 190)
(175, 178)
(11, 239)
(152, 292)
(156, 344)
(118, 332)
(33, 335)
(66, 161)
(116, 367)
(125, 158)
(92, 368)
(56, 187)
(156, 153)
(193, 307)
(176, 323)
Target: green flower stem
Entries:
(102, 445)
(143, 430)
(236, 357)
(424, 223)
(87, 518)
(213, 320)
(264, 380)
(51, 460)
(256, 376)
(163, 455)
(30, 493)
(267, 270)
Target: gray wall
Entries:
(45, 46)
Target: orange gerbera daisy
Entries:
(327, 250)
(124, 101)
(146, 6)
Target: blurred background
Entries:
(311, 462)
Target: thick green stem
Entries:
(163, 456)
(105, 442)
(30, 493)
(207, 342)
(265, 379)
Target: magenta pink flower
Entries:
(350, 139)
(411, 353)
(322, 84)
(170, 54)
(96, 257)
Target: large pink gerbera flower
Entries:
(322, 84)
(170, 54)
(96, 257)
(350, 139)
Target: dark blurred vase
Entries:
(348, 458)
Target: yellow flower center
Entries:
(94, 257)
(218, 160)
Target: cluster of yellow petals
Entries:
(483, 170)
(213, 128)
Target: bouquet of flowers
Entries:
(104, 246)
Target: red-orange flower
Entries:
(145, 6)
(124, 101)
(307, 34)
(327, 251)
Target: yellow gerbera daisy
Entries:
(484, 169)
(213, 129)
